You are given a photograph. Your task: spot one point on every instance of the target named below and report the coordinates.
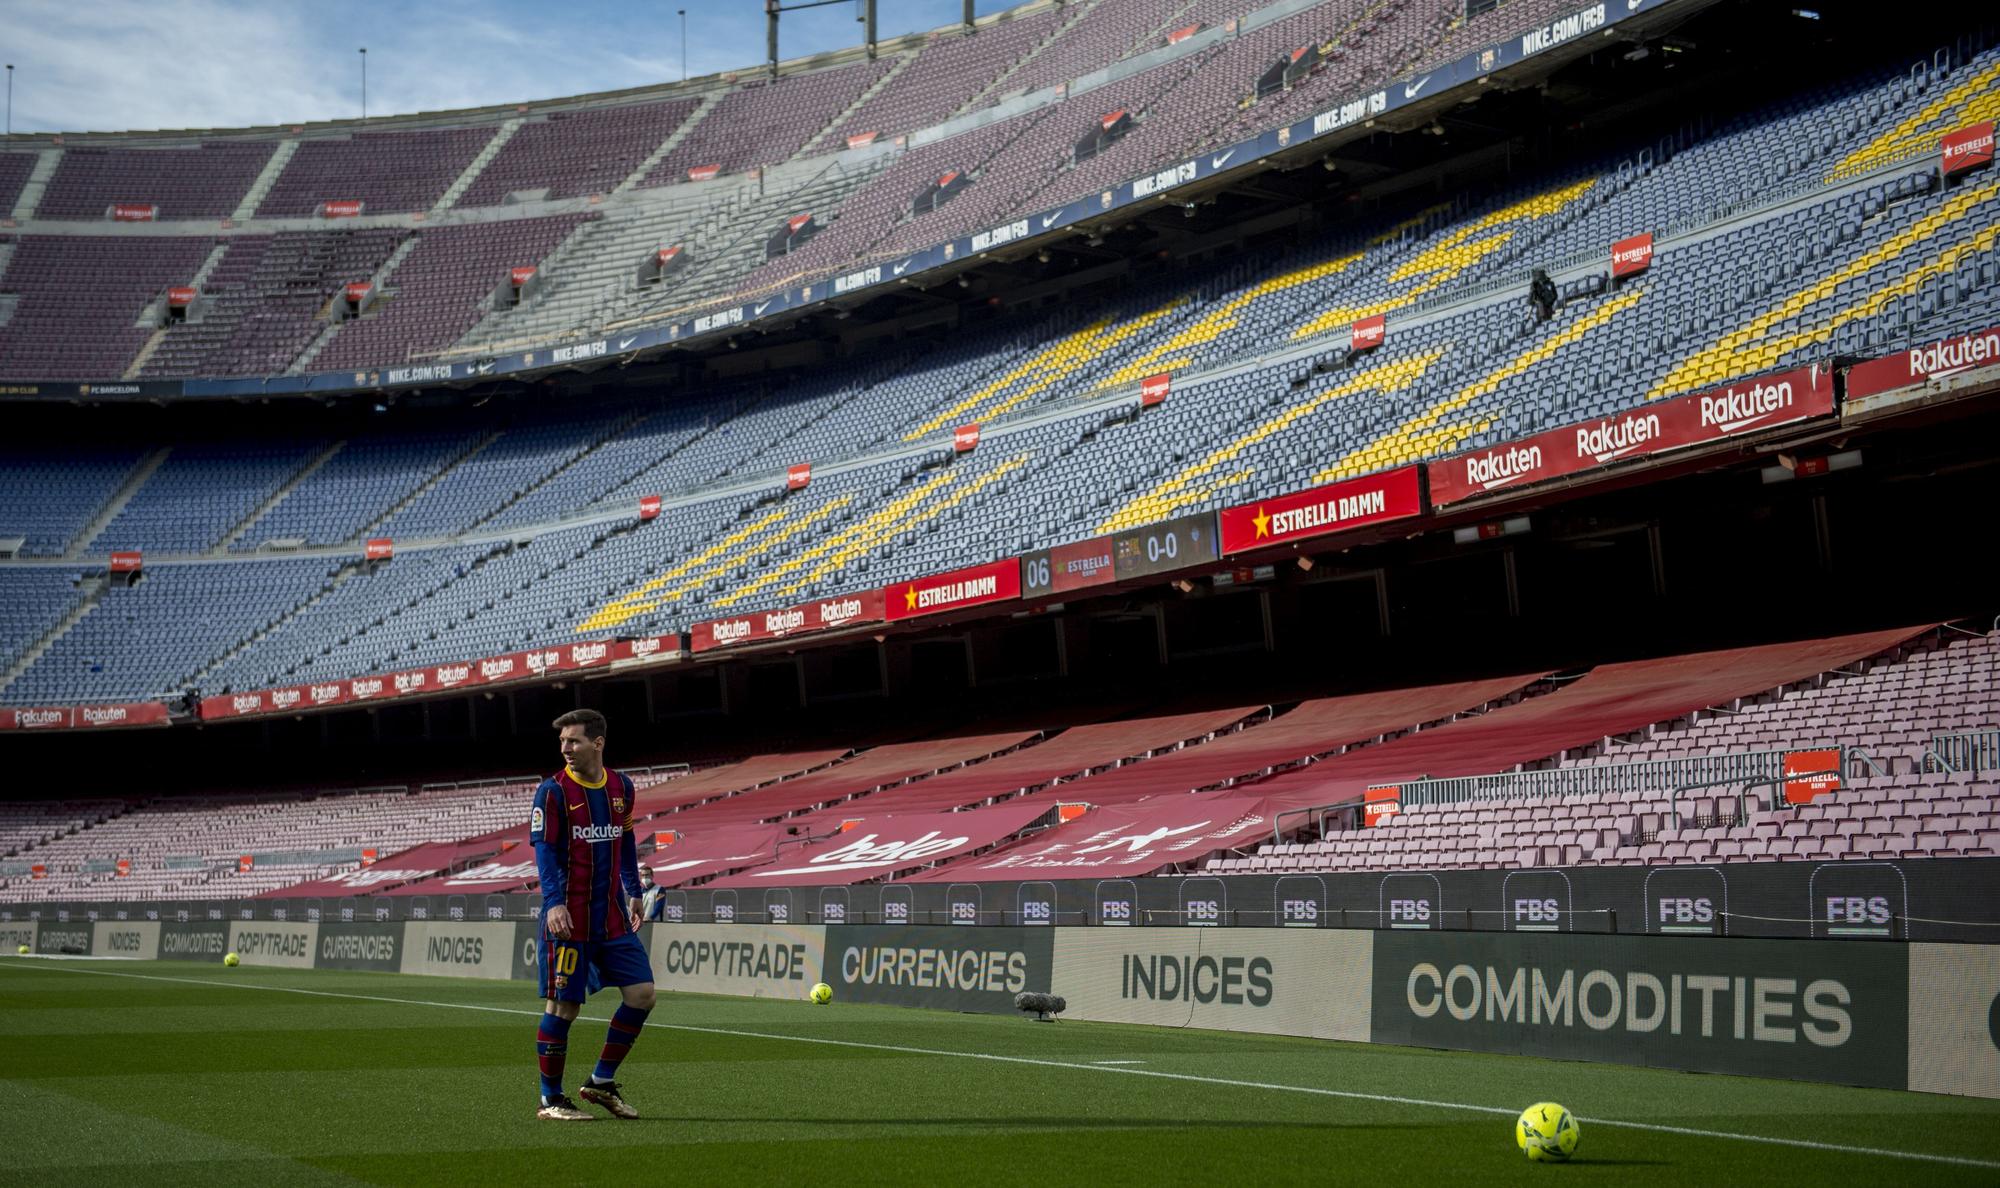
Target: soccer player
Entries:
(581, 829)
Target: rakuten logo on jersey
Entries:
(596, 833)
(1734, 408)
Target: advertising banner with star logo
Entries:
(1337, 507)
(998, 581)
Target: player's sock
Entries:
(618, 1040)
(551, 1049)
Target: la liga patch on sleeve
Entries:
(535, 821)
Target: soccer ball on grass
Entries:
(1546, 1132)
(23, 950)
(231, 959)
(821, 993)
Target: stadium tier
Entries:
(987, 121)
(1571, 773)
(518, 533)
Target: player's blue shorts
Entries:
(573, 970)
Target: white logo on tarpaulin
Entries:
(1143, 841)
(865, 853)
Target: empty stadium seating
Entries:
(1882, 695)
(1859, 249)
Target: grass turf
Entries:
(172, 1073)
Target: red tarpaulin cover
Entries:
(1611, 699)
(877, 847)
(1121, 842)
(419, 862)
(719, 852)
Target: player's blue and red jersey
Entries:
(585, 851)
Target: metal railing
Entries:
(1671, 777)
(1964, 750)
(1651, 775)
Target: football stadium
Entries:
(1113, 592)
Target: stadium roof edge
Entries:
(456, 117)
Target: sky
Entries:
(128, 65)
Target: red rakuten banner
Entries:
(1182, 34)
(704, 172)
(180, 296)
(1968, 147)
(964, 438)
(127, 562)
(1122, 840)
(441, 678)
(1747, 406)
(521, 276)
(798, 477)
(380, 548)
(720, 633)
(1353, 503)
(1925, 364)
(797, 221)
(667, 254)
(1367, 333)
(862, 139)
(878, 846)
(649, 507)
(134, 212)
(84, 717)
(1153, 390)
(357, 291)
(342, 208)
(1632, 255)
(826, 614)
(998, 581)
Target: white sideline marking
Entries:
(1118, 1062)
(1348, 1094)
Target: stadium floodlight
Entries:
(10, 98)
(364, 84)
(1045, 1007)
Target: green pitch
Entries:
(167, 1073)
